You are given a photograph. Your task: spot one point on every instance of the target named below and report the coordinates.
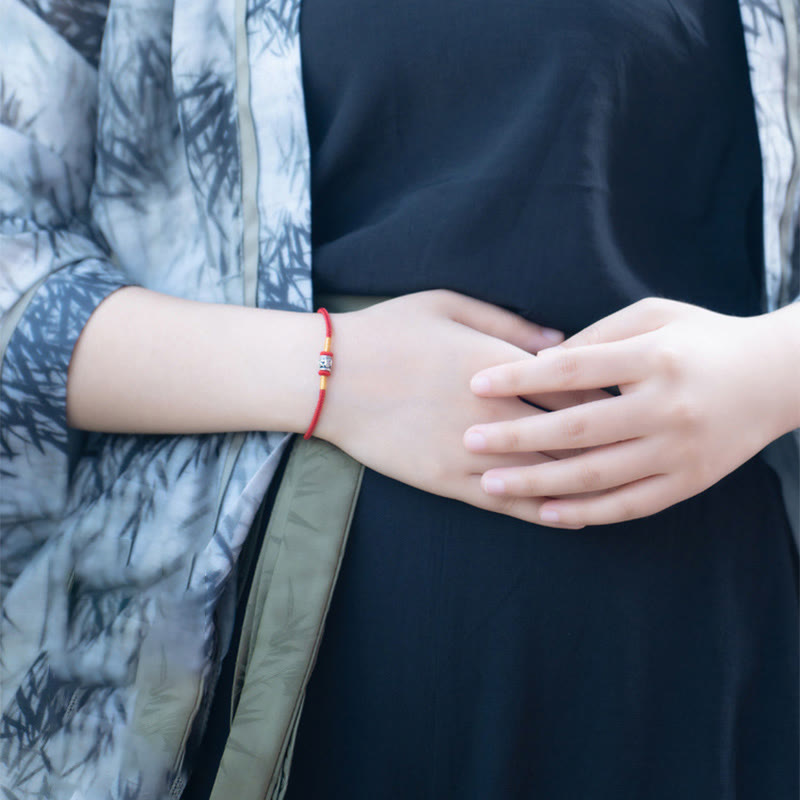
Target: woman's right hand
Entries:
(399, 399)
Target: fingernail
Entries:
(552, 334)
(475, 441)
(549, 516)
(480, 383)
(494, 486)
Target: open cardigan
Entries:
(164, 144)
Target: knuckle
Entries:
(528, 485)
(573, 428)
(567, 367)
(669, 362)
(685, 414)
(512, 380)
(511, 440)
(588, 477)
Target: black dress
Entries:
(562, 159)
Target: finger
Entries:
(501, 323)
(632, 501)
(642, 317)
(504, 410)
(590, 367)
(527, 408)
(524, 508)
(600, 468)
(589, 425)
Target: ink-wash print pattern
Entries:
(769, 27)
(134, 147)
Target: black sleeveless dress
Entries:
(562, 159)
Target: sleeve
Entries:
(791, 12)
(772, 38)
(54, 266)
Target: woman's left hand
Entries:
(700, 394)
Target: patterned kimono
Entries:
(164, 144)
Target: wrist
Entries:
(776, 365)
(287, 384)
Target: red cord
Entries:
(315, 418)
(324, 370)
(327, 316)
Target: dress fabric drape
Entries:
(563, 160)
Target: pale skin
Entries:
(400, 401)
(700, 394)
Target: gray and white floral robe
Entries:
(164, 144)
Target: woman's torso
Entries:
(563, 160)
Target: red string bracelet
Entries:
(325, 366)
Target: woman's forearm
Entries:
(152, 363)
(398, 400)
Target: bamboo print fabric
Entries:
(164, 144)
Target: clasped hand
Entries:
(699, 394)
